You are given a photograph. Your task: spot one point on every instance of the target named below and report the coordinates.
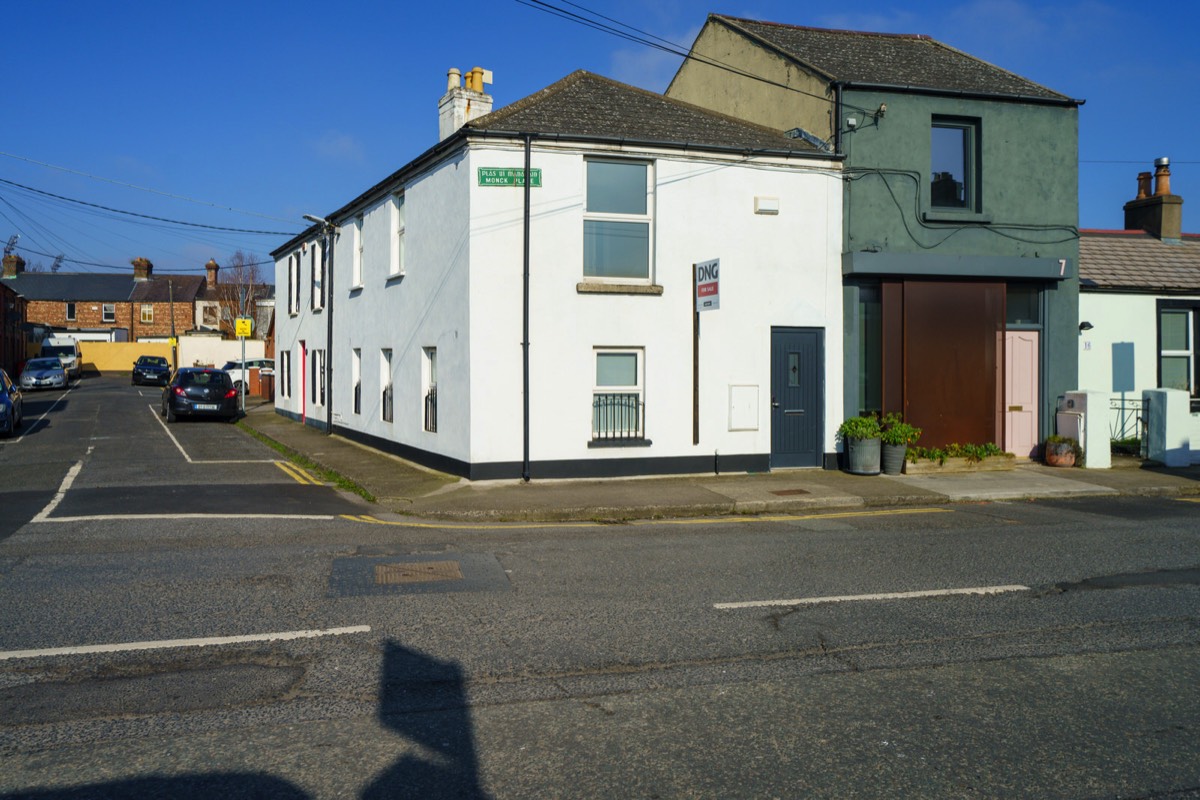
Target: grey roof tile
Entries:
(1137, 261)
(103, 287)
(588, 105)
(889, 59)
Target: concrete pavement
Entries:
(401, 487)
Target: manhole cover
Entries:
(790, 492)
(417, 572)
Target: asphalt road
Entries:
(183, 617)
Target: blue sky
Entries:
(264, 111)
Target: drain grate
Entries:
(417, 572)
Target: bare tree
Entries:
(238, 289)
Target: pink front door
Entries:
(1021, 392)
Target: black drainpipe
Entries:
(837, 117)
(330, 232)
(525, 312)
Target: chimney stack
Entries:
(14, 265)
(212, 267)
(461, 104)
(142, 268)
(1160, 214)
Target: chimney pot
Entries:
(1143, 185)
(1162, 177)
(212, 267)
(453, 79)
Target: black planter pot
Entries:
(892, 459)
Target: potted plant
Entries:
(860, 439)
(896, 437)
(1060, 451)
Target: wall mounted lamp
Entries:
(1085, 326)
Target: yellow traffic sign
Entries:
(242, 327)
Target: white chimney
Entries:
(461, 104)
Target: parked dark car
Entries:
(44, 373)
(10, 405)
(200, 392)
(151, 369)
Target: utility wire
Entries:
(669, 47)
(146, 216)
(122, 266)
(142, 188)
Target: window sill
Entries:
(358, 287)
(395, 277)
(594, 287)
(619, 443)
(958, 217)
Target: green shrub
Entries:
(971, 452)
(860, 428)
(897, 431)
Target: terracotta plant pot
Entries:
(1059, 454)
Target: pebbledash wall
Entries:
(461, 293)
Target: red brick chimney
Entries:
(14, 265)
(213, 268)
(1160, 214)
(142, 268)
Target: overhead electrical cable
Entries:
(669, 47)
(147, 216)
(143, 188)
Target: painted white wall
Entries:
(214, 351)
(462, 293)
(1120, 318)
(779, 270)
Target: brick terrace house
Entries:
(141, 304)
(12, 323)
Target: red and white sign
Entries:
(708, 285)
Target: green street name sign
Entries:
(508, 176)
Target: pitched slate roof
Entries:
(104, 287)
(889, 59)
(587, 105)
(1137, 261)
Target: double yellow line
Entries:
(367, 518)
(298, 474)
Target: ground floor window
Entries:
(431, 389)
(385, 381)
(618, 403)
(356, 378)
(318, 378)
(285, 373)
(1177, 345)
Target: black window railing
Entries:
(358, 398)
(617, 415)
(431, 409)
(387, 403)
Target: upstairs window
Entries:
(108, 312)
(147, 314)
(617, 221)
(316, 266)
(954, 164)
(396, 268)
(70, 312)
(356, 264)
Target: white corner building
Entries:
(488, 329)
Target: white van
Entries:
(66, 349)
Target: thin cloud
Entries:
(649, 67)
(339, 146)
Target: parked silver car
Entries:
(43, 373)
